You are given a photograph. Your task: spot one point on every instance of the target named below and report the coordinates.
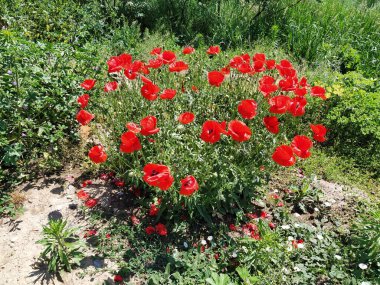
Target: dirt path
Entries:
(45, 199)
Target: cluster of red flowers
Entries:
(283, 92)
(159, 229)
(85, 196)
(251, 229)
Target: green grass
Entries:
(343, 170)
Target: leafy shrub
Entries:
(36, 103)
(62, 248)
(353, 119)
(228, 172)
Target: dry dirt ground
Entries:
(47, 198)
(50, 197)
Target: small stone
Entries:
(73, 206)
(71, 188)
(98, 263)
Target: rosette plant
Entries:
(202, 131)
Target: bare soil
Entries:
(47, 198)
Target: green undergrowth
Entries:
(297, 251)
(327, 165)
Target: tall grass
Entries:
(343, 33)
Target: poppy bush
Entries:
(200, 129)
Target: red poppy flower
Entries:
(91, 203)
(110, 86)
(137, 66)
(288, 84)
(134, 128)
(286, 63)
(236, 61)
(168, 94)
(267, 85)
(252, 216)
(83, 195)
(178, 66)
(244, 68)
(158, 175)
(279, 104)
(129, 142)
(213, 50)
(86, 182)
(90, 233)
(247, 109)
(130, 74)
(145, 80)
(215, 78)
(188, 50)
(270, 64)
(161, 229)
(283, 155)
(303, 82)
(266, 79)
(135, 220)
(211, 131)
(285, 68)
(297, 106)
(84, 117)
(150, 91)
(239, 131)
(267, 89)
(272, 124)
(259, 66)
(117, 63)
(264, 215)
(97, 154)
(88, 84)
(226, 71)
(150, 230)
(300, 91)
(301, 146)
(148, 126)
(189, 186)
(186, 118)
(319, 132)
(168, 57)
(246, 57)
(194, 88)
(156, 51)
(318, 91)
(155, 63)
(83, 100)
(259, 57)
(118, 278)
(232, 227)
(153, 211)
(118, 182)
